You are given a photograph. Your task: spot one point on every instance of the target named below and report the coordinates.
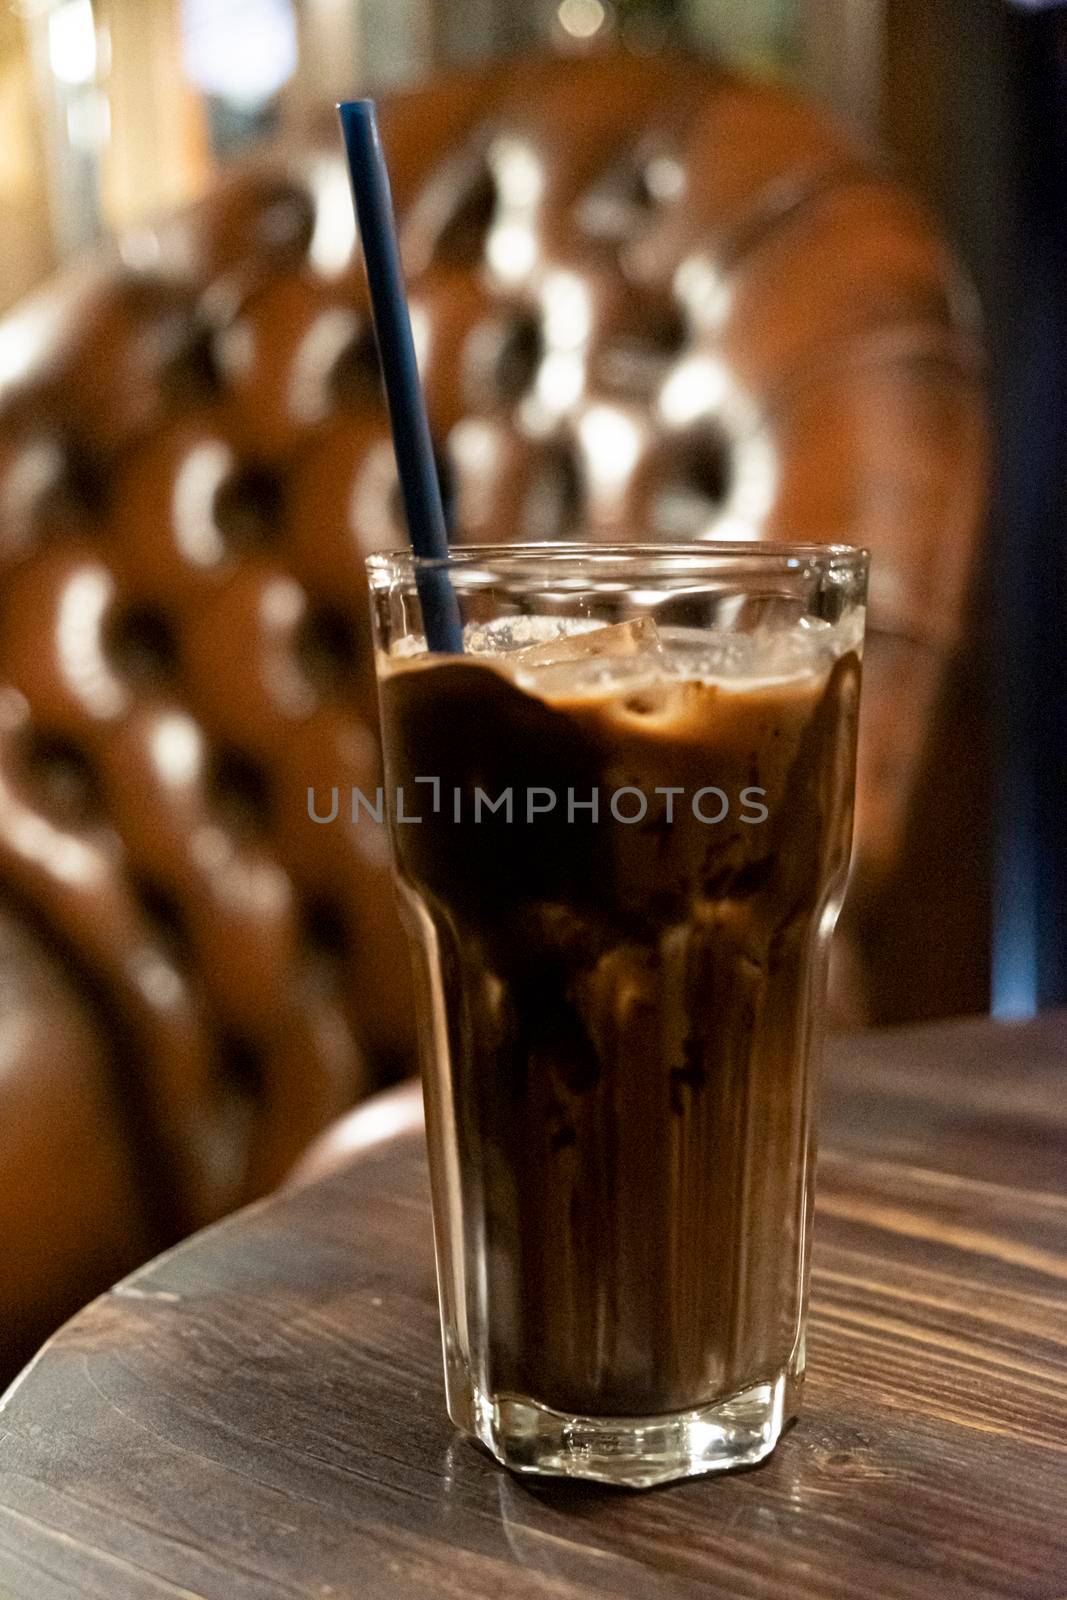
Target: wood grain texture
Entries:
(259, 1415)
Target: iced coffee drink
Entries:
(634, 814)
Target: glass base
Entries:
(633, 1452)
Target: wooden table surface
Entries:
(260, 1414)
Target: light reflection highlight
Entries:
(568, 314)
(82, 608)
(703, 289)
(697, 387)
(512, 250)
(64, 857)
(177, 750)
(196, 487)
(581, 19)
(560, 381)
(519, 175)
(334, 238)
(612, 443)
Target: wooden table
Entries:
(259, 1413)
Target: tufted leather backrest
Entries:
(652, 300)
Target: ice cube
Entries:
(741, 659)
(508, 635)
(604, 660)
(617, 641)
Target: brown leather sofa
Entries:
(653, 301)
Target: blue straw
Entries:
(419, 484)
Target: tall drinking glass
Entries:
(621, 824)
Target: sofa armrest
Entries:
(72, 1210)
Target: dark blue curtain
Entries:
(1026, 290)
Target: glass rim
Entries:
(765, 555)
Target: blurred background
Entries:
(113, 110)
(849, 261)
